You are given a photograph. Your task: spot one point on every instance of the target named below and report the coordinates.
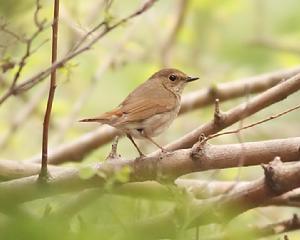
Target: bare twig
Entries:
(44, 171)
(253, 124)
(38, 23)
(113, 155)
(29, 83)
(217, 113)
(109, 60)
(3, 28)
(28, 42)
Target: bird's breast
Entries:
(153, 125)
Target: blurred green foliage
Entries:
(216, 42)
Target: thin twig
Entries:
(3, 28)
(254, 124)
(28, 42)
(80, 102)
(44, 171)
(32, 81)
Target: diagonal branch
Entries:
(223, 208)
(254, 105)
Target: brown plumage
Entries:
(150, 108)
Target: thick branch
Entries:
(224, 208)
(19, 169)
(170, 165)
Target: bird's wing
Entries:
(148, 99)
(141, 109)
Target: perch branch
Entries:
(171, 165)
(265, 99)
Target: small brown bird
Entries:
(150, 108)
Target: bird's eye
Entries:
(172, 77)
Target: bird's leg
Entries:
(156, 144)
(136, 146)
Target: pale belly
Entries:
(152, 126)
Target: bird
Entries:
(149, 109)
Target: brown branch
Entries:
(170, 166)
(235, 89)
(265, 99)
(19, 169)
(76, 150)
(291, 198)
(3, 28)
(31, 82)
(224, 208)
(28, 50)
(149, 190)
(44, 171)
(284, 176)
(253, 124)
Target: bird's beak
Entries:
(190, 79)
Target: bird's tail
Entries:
(99, 120)
(103, 118)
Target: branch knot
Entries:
(271, 175)
(197, 151)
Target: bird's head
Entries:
(173, 79)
